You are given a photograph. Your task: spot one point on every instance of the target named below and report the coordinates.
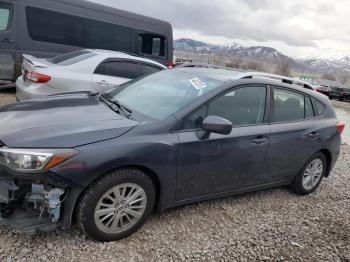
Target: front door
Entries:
(223, 163)
(8, 31)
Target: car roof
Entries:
(123, 55)
(222, 75)
(227, 74)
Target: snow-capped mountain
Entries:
(325, 60)
(262, 52)
(326, 54)
(232, 49)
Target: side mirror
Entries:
(215, 124)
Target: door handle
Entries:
(259, 140)
(313, 135)
(7, 40)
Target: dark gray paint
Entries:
(185, 168)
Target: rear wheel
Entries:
(117, 205)
(310, 177)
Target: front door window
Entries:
(243, 106)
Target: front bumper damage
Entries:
(35, 203)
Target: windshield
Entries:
(159, 95)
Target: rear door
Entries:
(112, 73)
(294, 134)
(8, 32)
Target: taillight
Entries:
(171, 64)
(340, 127)
(37, 78)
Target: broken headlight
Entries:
(33, 160)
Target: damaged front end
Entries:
(32, 199)
(29, 206)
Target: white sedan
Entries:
(82, 70)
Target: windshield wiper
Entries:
(126, 111)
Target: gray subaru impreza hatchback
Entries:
(106, 161)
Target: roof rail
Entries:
(283, 79)
(212, 66)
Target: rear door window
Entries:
(123, 69)
(309, 112)
(288, 106)
(318, 107)
(6, 14)
(149, 69)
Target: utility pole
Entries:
(209, 56)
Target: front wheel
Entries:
(310, 177)
(117, 205)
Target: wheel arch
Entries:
(328, 156)
(149, 172)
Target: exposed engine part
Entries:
(53, 198)
(7, 190)
(45, 201)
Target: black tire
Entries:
(297, 184)
(91, 197)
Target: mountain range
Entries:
(323, 61)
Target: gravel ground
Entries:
(270, 225)
(7, 97)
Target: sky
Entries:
(296, 28)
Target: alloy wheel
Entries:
(313, 174)
(120, 208)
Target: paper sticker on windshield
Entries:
(197, 83)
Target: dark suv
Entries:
(341, 93)
(109, 160)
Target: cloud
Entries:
(298, 23)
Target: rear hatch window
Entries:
(71, 57)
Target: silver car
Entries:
(81, 70)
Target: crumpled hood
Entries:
(60, 121)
